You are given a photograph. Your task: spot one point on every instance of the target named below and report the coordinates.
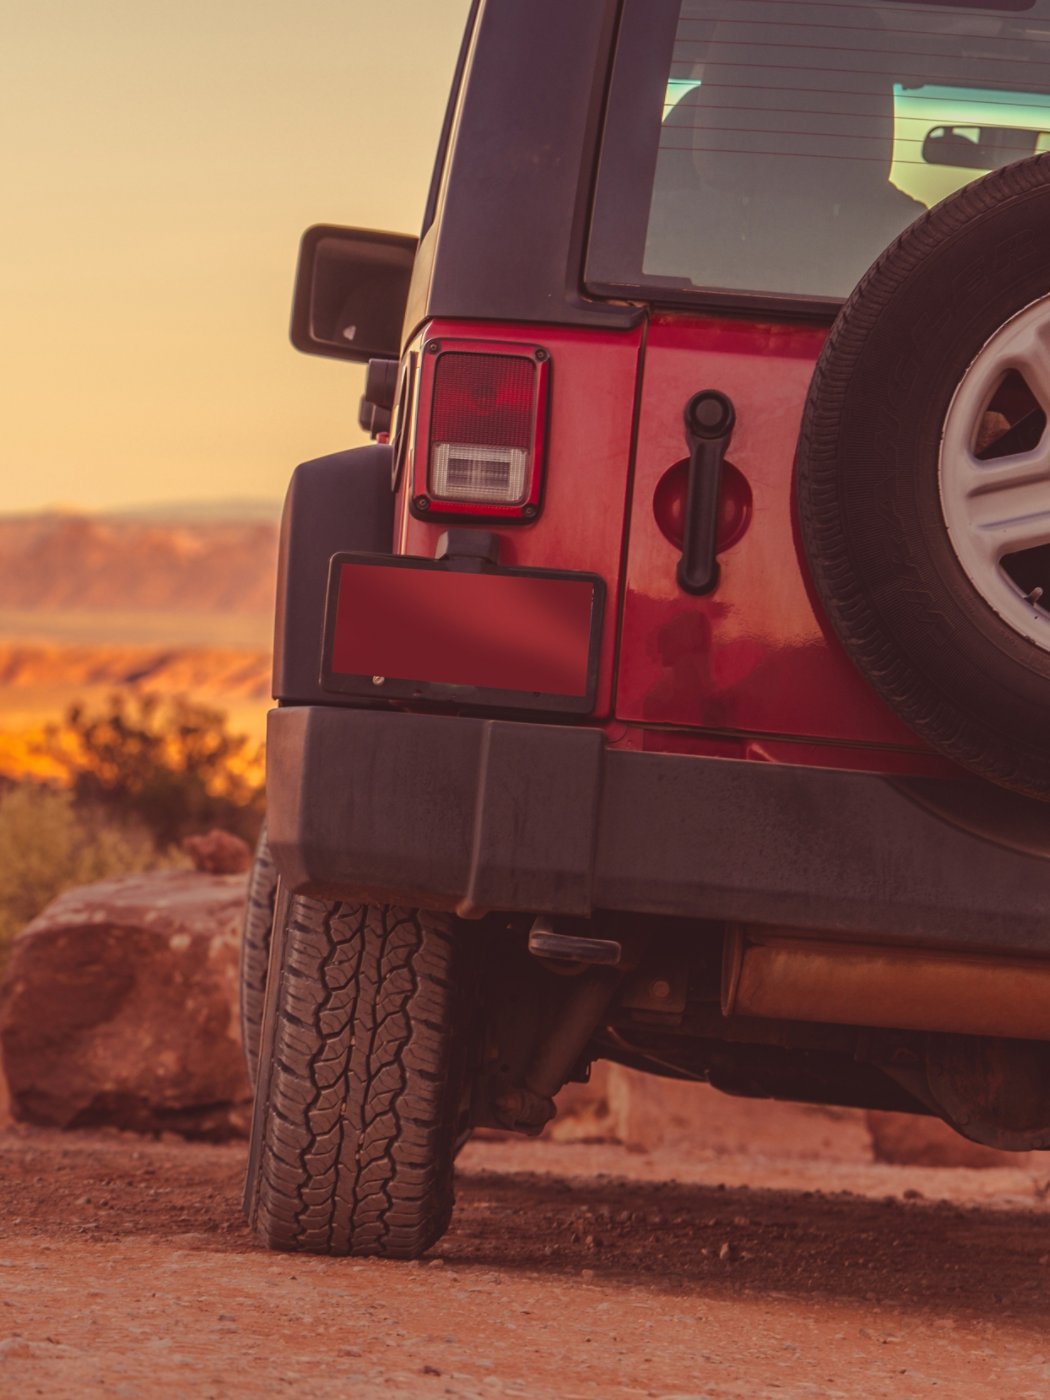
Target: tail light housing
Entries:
(481, 431)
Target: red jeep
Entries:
(670, 681)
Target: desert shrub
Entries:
(49, 844)
(171, 765)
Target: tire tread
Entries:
(255, 951)
(358, 1127)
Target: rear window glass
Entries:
(794, 139)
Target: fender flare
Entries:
(340, 502)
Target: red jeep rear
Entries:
(654, 646)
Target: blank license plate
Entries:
(405, 628)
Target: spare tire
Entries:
(923, 477)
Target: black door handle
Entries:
(709, 419)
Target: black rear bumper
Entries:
(475, 814)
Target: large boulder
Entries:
(647, 1113)
(906, 1139)
(218, 853)
(676, 1113)
(119, 1007)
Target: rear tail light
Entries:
(462, 471)
(481, 424)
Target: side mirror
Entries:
(351, 287)
(978, 147)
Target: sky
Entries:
(160, 160)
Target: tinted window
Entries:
(796, 138)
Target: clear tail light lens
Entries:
(481, 423)
(461, 471)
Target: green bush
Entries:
(49, 844)
(171, 765)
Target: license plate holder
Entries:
(405, 628)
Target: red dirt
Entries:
(570, 1271)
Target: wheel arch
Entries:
(340, 502)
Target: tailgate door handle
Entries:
(709, 419)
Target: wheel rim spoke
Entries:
(1029, 353)
(996, 507)
(1008, 504)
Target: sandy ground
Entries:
(571, 1270)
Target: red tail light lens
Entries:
(482, 411)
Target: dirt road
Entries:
(571, 1271)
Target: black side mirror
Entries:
(351, 287)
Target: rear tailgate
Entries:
(752, 657)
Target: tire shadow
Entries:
(910, 1254)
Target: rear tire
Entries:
(255, 950)
(360, 1101)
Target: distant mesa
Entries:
(221, 673)
(226, 510)
(233, 510)
(214, 557)
(177, 600)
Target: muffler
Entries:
(794, 977)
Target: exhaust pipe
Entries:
(793, 977)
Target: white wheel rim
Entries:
(1000, 506)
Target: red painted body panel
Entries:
(593, 378)
(752, 657)
(750, 671)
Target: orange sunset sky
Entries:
(161, 158)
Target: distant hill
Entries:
(150, 559)
(239, 510)
(234, 675)
(172, 599)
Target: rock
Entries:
(218, 853)
(646, 1112)
(906, 1139)
(119, 1007)
(583, 1110)
(6, 1116)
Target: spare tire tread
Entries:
(926, 699)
